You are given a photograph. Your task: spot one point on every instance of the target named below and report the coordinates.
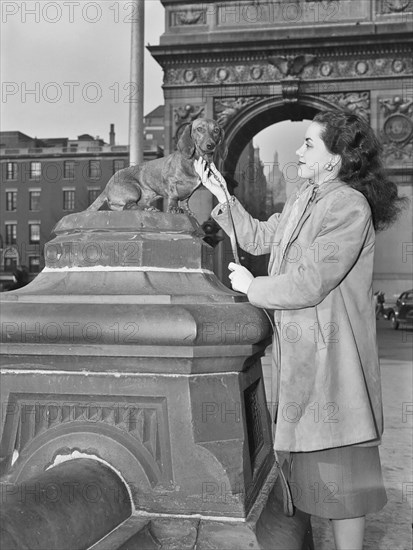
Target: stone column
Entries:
(137, 80)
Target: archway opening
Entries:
(266, 172)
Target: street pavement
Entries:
(391, 528)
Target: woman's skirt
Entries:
(339, 483)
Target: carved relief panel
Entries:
(226, 109)
(357, 102)
(395, 6)
(396, 128)
(189, 17)
(137, 425)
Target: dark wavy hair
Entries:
(351, 137)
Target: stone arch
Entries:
(261, 114)
(132, 459)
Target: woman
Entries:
(319, 285)
(379, 303)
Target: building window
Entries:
(10, 264)
(148, 136)
(118, 164)
(11, 258)
(94, 169)
(92, 195)
(34, 264)
(69, 169)
(35, 170)
(11, 201)
(11, 170)
(34, 232)
(34, 200)
(11, 233)
(68, 200)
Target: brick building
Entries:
(154, 130)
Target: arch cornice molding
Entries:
(167, 57)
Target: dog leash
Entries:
(233, 236)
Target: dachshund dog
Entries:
(172, 177)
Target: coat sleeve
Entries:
(318, 268)
(253, 236)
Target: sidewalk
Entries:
(390, 529)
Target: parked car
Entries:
(402, 312)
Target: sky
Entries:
(65, 71)
(75, 58)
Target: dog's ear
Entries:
(222, 149)
(185, 143)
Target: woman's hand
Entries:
(240, 277)
(212, 179)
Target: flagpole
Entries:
(136, 82)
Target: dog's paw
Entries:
(177, 210)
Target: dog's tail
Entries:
(97, 203)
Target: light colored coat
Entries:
(329, 389)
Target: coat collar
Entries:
(323, 189)
(320, 191)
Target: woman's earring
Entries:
(329, 167)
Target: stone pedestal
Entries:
(128, 350)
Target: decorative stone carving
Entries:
(396, 6)
(256, 72)
(396, 105)
(290, 90)
(188, 17)
(291, 66)
(240, 71)
(205, 74)
(187, 113)
(226, 109)
(189, 75)
(396, 155)
(357, 102)
(326, 69)
(397, 129)
(222, 74)
(134, 422)
(362, 67)
(398, 66)
(282, 67)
